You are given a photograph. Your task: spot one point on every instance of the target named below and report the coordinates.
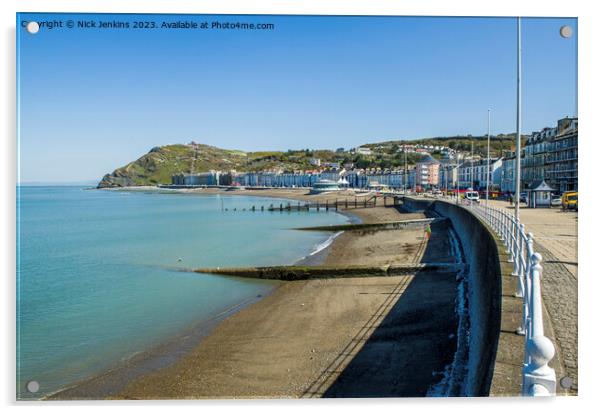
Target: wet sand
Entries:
(357, 337)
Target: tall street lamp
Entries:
(405, 176)
(565, 32)
(457, 177)
(518, 123)
(471, 165)
(488, 135)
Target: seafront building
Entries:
(277, 179)
(448, 174)
(508, 180)
(324, 186)
(199, 179)
(549, 154)
(561, 157)
(473, 174)
(427, 173)
(535, 152)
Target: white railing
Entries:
(538, 378)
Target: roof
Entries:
(541, 186)
(428, 159)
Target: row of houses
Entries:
(407, 148)
(470, 173)
(354, 178)
(426, 174)
(549, 155)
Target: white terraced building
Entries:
(474, 174)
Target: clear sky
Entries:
(92, 100)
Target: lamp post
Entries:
(565, 32)
(518, 122)
(457, 177)
(405, 176)
(471, 165)
(488, 135)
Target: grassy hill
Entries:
(160, 163)
(498, 143)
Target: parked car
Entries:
(556, 201)
(472, 196)
(570, 201)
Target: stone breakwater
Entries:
(290, 273)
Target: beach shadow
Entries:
(404, 347)
(561, 262)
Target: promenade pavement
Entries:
(553, 228)
(555, 235)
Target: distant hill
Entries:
(160, 163)
(498, 143)
(157, 166)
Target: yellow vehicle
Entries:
(570, 201)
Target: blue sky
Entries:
(92, 100)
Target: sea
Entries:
(103, 276)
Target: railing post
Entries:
(523, 286)
(509, 232)
(525, 328)
(520, 251)
(508, 236)
(523, 239)
(528, 255)
(538, 378)
(499, 227)
(515, 250)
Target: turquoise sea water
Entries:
(99, 279)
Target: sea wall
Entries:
(482, 254)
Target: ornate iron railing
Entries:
(539, 379)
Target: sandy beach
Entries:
(353, 337)
(300, 194)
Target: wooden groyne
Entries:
(290, 273)
(387, 225)
(328, 205)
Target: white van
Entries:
(472, 196)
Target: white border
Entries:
(590, 152)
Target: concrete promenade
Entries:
(554, 229)
(555, 234)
